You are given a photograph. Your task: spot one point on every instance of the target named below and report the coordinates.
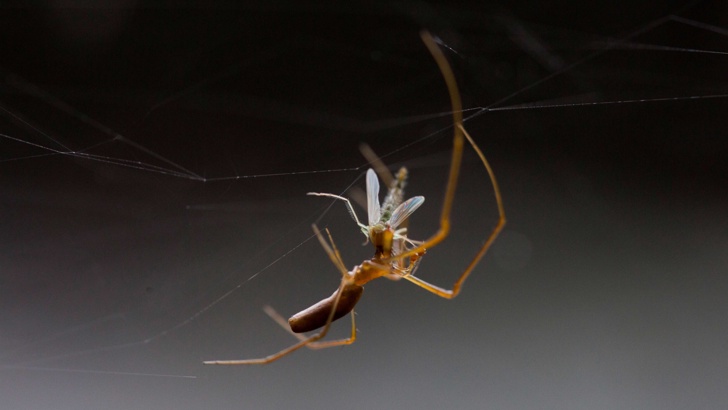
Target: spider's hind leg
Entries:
(313, 345)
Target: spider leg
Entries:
(312, 345)
(290, 349)
(305, 341)
(331, 250)
(441, 234)
(457, 150)
(449, 294)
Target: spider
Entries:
(396, 256)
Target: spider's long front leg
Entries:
(451, 293)
(457, 150)
(459, 133)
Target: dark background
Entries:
(121, 268)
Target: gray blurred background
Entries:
(121, 270)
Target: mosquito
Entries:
(396, 256)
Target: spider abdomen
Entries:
(316, 316)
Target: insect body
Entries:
(396, 256)
(390, 214)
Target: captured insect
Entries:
(396, 256)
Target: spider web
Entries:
(154, 179)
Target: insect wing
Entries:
(373, 197)
(404, 210)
